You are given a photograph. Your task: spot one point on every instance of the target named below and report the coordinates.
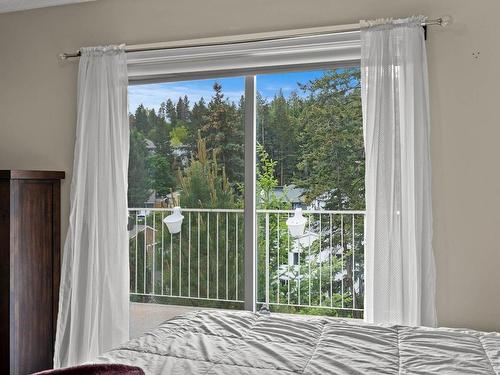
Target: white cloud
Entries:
(151, 96)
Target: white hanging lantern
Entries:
(297, 223)
(174, 221)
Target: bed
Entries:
(225, 342)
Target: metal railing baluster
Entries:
(267, 259)
(144, 239)
(318, 261)
(217, 255)
(309, 257)
(208, 254)
(342, 255)
(189, 254)
(278, 260)
(227, 255)
(154, 253)
(136, 252)
(180, 263)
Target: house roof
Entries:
(290, 193)
(138, 229)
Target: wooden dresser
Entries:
(29, 269)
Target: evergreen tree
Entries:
(262, 121)
(162, 111)
(204, 183)
(141, 120)
(282, 144)
(138, 179)
(182, 109)
(223, 131)
(170, 111)
(331, 157)
(198, 114)
(160, 135)
(162, 179)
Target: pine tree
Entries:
(182, 109)
(162, 178)
(204, 183)
(160, 135)
(262, 121)
(283, 139)
(138, 179)
(223, 131)
(331, 156)
(170, 111)
(198, 114)
(141, 120)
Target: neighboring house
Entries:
(291, 194)
(151, 201)
(141, 228)
(319, 203)
(168, 201)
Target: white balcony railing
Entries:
(322, 269)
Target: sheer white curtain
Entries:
(94, 296)
(400, 272)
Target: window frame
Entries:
(323, 51)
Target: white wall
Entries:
(38, 101)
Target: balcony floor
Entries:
(146, 316)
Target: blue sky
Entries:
(152, 95)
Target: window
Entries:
(187, 149)
(310, 155)
(303, 122)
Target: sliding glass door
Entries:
(186, 150)
(310, 168)
(238, 155)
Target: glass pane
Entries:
(311, 157)
(186, 149)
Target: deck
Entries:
(146, 316)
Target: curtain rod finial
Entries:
(445, 20)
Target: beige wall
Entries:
(37, 107)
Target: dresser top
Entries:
(15, 174)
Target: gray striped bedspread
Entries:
(225, 342)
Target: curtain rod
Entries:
(247, 38)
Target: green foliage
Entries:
(182, 109)
(267, 182)
(138, 179)
(170, 112)
(278, 134)
(331, 158)
(141, 120)
(313, 140)
(179, 135)
(204, 183)
(162, 178)
(224, 135)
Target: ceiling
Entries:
(16, 5)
